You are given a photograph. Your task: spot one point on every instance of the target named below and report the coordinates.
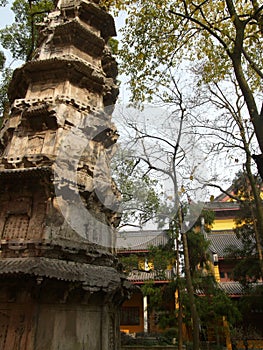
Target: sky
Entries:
(6, 17)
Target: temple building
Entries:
(137, 319)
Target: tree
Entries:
(161, 153)
(248, 305)
(4, 102)
(222, 42)
(22, 43)
(228, 140)
(21, 37)
(218, 37)
(5, 72)
(140, 196)
(247, 270)
(212, 303)
(232, 136)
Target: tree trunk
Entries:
(180, 309)
(256, 118)
(257, 215)
(190, 290)
(180, 321)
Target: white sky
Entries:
(6, 17)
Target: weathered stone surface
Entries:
(65, 317)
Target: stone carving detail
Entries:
(16, 226)
(112, 333)
(35, 144)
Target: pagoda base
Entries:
(41, 312)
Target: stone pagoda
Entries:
(60, 287)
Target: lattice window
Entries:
(130, 316)
(16, 226)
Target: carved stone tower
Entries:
(59, 283)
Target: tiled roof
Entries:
(231, 288)
(222, 205)
(92, 277)
(35, 170)
(136, 241)
(140, 240)
(236, 288)
(142, 276)
(219, 242)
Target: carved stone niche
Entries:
(17, 217)
(16, 226)
(23, 208)
(40, 119)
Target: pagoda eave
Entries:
(74, 33)
(56, 70)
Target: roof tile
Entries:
(102, 277)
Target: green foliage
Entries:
(160, 34)
(253, 301)
(161, 301)
(198, 254)
(213, 302)
(155, 295)
(214, 306)
(209, 217)
(162, 257)
(21, 37)
(249, 305)
(169, 334)
(129, 263)
(4, 103)
(197, 243)
(114, 45)
(247, 268)
(242, 188)
(210, 41)
(140, 196)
